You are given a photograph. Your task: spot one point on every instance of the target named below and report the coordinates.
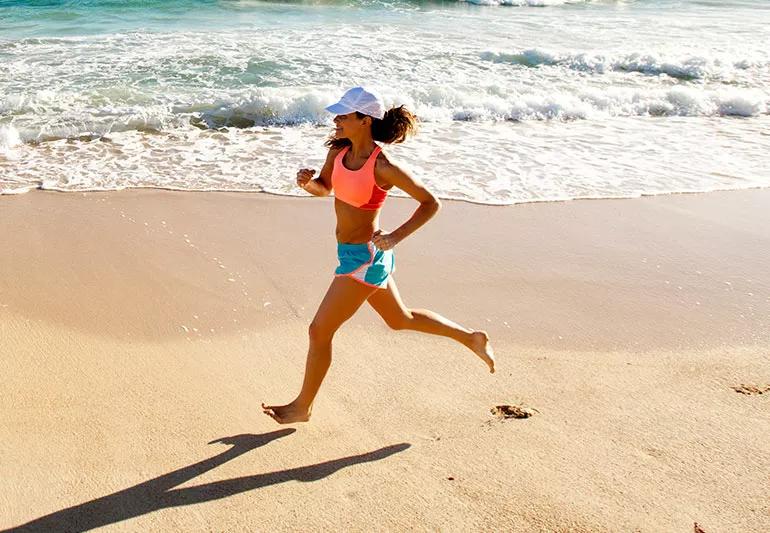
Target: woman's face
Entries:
(350, 126)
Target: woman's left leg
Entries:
(342, 300)
(391, 308)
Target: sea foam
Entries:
(685, 68)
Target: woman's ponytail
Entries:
(397, 124)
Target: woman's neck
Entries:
(362, 147)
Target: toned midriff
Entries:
(355, 225)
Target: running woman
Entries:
(361, 176)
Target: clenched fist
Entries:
(304, 176)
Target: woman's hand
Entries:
(384, 241)
(304, 176)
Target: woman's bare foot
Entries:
(481, 347)
(286, 414)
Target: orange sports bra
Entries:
(357, 187)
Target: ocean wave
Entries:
(686, 68)
(262, 108)
(292, 106)
(525, 3)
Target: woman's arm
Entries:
(322, 185)
(429, 204)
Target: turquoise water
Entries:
(518, 103)
(47, 19)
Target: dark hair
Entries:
(397, 124)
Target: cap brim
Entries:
(339, 109)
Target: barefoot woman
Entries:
(361, 176)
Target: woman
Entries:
(361, 176)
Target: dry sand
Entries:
(140, 330)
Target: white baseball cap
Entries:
(361, 100)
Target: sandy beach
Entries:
(140, 330)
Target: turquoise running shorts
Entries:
(366, 263)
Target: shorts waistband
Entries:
(354, 245)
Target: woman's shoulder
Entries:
(334, 152)
(383, 160)
(387, 169)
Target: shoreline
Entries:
(443, 199)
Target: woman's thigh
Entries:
(388, 304)
(343, 298)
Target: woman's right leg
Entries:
(342, 300)
(391, 308)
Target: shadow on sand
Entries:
(157, 494)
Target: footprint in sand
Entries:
(505, 411)
(751, 390)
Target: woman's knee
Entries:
(401, 321)
(320, 333)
